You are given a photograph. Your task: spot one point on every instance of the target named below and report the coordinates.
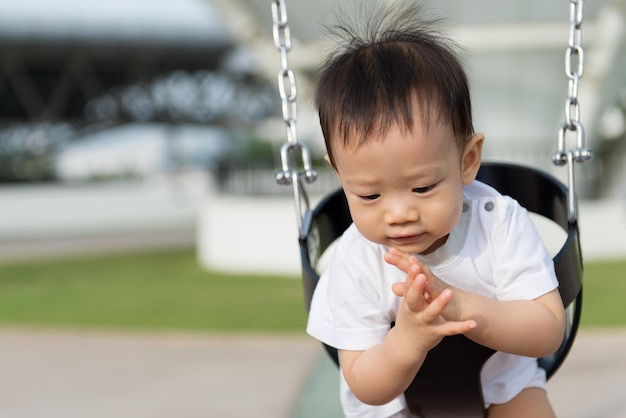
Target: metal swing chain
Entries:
(289, 175)
(574, 66)
(294, 155)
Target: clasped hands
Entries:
(428, 305)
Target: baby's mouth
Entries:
(403, 239)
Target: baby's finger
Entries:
(414, 290)
(398, 289)
(396, 260)
(436, 306)
(423, 267)
(411, 274)
(461, 327)
(399, 259)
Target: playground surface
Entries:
(76, 374)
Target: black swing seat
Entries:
(448, 384)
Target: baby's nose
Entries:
(400, 212)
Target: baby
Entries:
(430, 248)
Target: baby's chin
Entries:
(418, 245)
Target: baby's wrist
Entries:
(410, 341)
(454, 311)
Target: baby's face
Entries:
(405, 189)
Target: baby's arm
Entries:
(532, 328)
(381, 373)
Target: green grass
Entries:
(169, 291)
(161, 290)
(604, 294)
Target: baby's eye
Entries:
(421, 190)
(370, 197)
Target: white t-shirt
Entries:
(495, 251)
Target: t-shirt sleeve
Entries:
(524, 268)
(346, 310)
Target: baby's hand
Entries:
(433, 287)
(417, 312)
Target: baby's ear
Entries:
(472, 157)
(330, 163)
(327, 158)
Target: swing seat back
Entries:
(448, 384)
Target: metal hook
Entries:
(582, 153)
(288, 175)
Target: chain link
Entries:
(572, 126)
(287, 87)
(574, 67)
(288, 91)
(294, 155)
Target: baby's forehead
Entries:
(355, 131)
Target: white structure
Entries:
(112, 21)
(515, 62)
(141, 150)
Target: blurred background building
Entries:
(134, 118)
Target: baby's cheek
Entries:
(371, 228)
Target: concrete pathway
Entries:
(592, 381)
(101, 375)
(69, 374)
